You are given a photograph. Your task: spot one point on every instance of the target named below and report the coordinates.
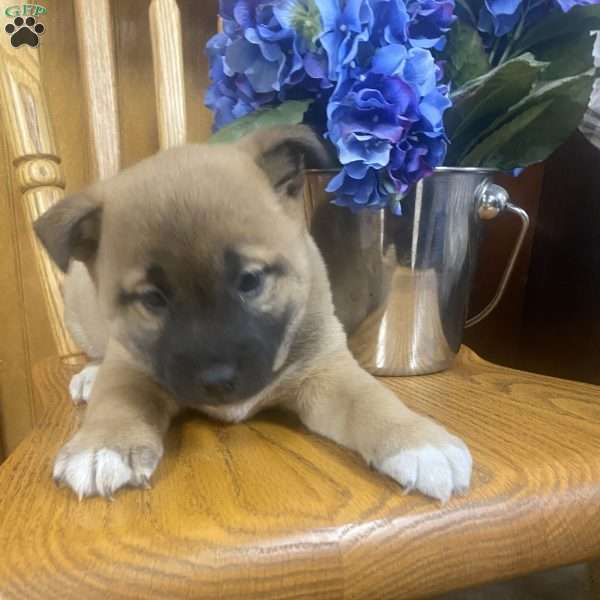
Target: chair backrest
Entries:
(25, 117)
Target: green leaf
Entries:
(470, 9)
(557, 26)
(465, 55)
(532, 129)
(567, 56)
(287, 113)
(482, 100)
(563, 40)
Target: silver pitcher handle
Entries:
(492, 200)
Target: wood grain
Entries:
(3, 451)
(16, 398)
(165, 31)
(135, 74)
(199, 26)
(61, 78)
(264, 510)
(96, 57)
(24, 113)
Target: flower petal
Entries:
(330, 10)
(388, 60)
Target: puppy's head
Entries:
(200, 260)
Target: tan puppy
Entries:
(199, 286)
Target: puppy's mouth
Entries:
(209, 397)
(194, 395)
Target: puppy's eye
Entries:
(153, 300)
(251, 283)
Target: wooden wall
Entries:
(497, 337)
(561, 334)
(24, 334)
(549, 321)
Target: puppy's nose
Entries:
(218, 379)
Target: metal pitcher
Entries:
(401, 284)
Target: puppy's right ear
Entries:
(284, 152)
(70, 229)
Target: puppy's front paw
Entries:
(435, 462)
(91, 465)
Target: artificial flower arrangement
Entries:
(400, 87)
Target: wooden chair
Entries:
(264, 509)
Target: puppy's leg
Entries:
(87, 326)
(121, 439)
(343, 402)
(82, 383)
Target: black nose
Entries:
(218, 379)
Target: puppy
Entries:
(192, 276)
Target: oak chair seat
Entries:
(267, 510)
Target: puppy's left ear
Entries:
(283, 153)
(71, 229)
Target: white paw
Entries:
(434, 470)
(102, 471)
(81, 384)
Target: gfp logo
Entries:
(25, 28)
(25, 10)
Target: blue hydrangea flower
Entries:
(391, 22)
(356, 194)
(251, 61)
(419, 23)
(414, 159)
(304, 17)
(230, 97)
(499, 17)
(387, 125)
(267, 53)
(430, 21)
(345, 25)
(264, 52)
(368, 67)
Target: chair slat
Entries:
(165, 31)
(96, 55)
(24, 115)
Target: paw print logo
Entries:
(24, 31)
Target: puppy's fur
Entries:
(194, 280)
